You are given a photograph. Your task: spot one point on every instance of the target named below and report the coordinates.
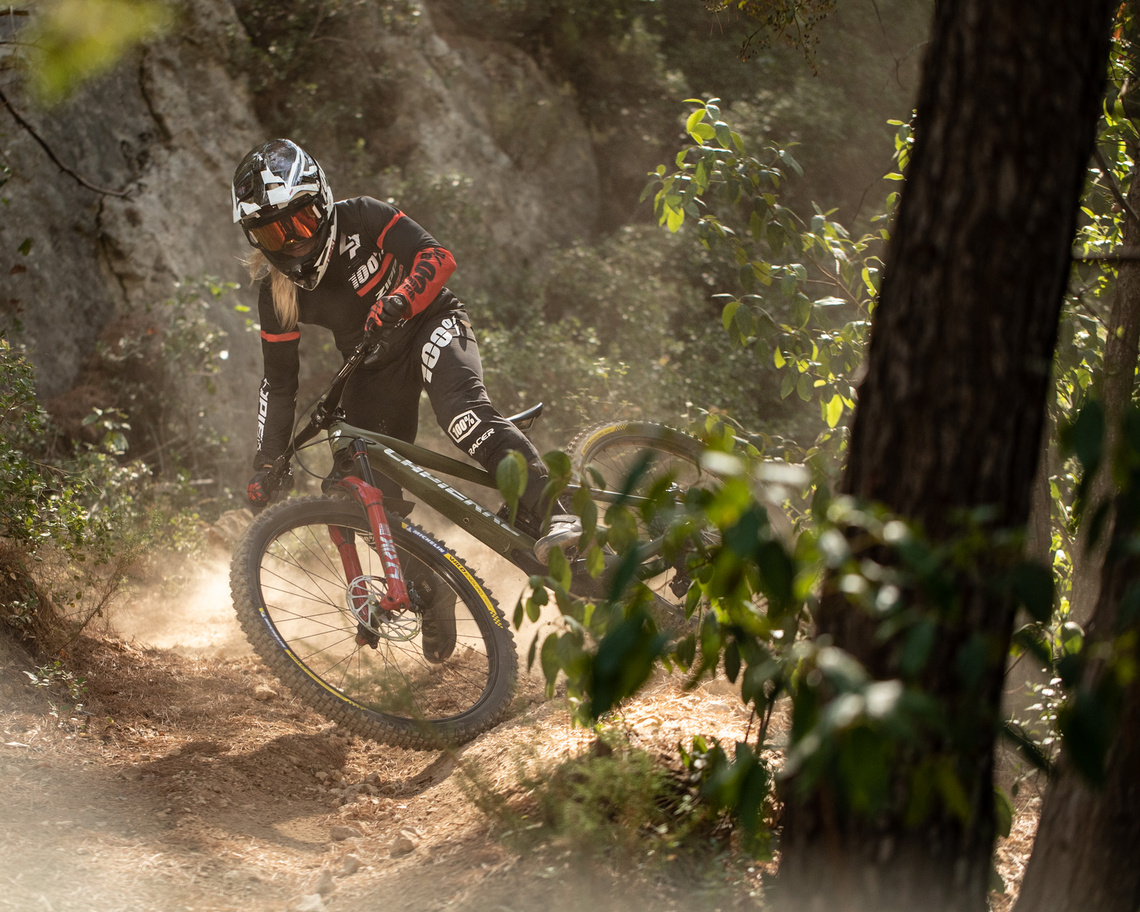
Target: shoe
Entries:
(565, 529)
(437, 630)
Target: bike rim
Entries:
(362, 657)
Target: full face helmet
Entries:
(283, 202)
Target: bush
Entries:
(80, 508)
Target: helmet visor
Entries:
(290, 233)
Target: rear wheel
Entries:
(639, 457)
(330, 640)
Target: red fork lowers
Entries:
(396, 597)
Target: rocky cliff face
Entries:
(393, 100)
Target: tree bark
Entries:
(950, 417)
(1087, 851)
(1115, 391)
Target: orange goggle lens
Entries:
(296, 227)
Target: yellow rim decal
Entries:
(490, 606)
(305, 668)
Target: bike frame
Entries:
(414, 468)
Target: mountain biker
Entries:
(353, 266)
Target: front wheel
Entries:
(440, 673)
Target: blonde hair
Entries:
(283, 288)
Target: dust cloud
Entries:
(195, 619)
(191, 613)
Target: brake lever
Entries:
(378, 344)
(378, 351)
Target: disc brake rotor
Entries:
(374, 623)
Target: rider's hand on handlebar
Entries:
(387, 311)
(266, 484)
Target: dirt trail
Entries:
(190, 780)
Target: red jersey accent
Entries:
(281, 337)
(376, 278)
(395, 218)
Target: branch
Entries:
(62, 167)
(1112, 188)
(1120, 255)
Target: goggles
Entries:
(293, 229)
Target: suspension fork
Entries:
(369, 496)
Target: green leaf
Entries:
(804, 387)
(729, 312)
(549, 658)
(787, 383)
(78, 39)
(511, 479)
(1085, 724)
(1085, 436)
(703, 132)
(787, 159)
(695, 118)
(834, 410)
(731, 660)
(1033, 586)
(1003, 812)
(801, 310)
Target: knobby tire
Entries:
(293, 602)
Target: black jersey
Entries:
(378, 251)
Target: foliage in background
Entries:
(790, 21)
(803, 289)
(629, 319)
(750, 604)
(846, 726)
(74, 40)
(80, 514)
(159, 371)
(64, 549)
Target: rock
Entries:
(229, 527)
(350, 865)
(341, 833)
(264, 693)
(168, 123)
(310, 903)
(402, 845)
(325, 883)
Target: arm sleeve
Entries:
(431, 268)
(277, 397)
(426, 264)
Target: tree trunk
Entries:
(950, 417)
(1087, 851)
(1115, 391)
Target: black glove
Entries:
(387, 312)
(265, 485)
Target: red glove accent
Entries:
(257, 491)
(264, 486)
(387, 312)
